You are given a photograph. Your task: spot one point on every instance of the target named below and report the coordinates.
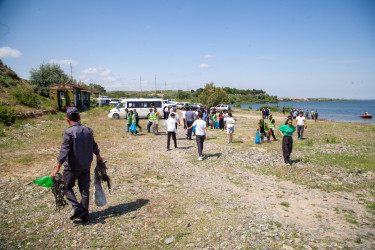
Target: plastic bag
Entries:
(257, 138)
(133, 128)
(194, 128)
(216, 124)
(99, 196)
(45, 181)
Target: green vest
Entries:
(151, 117)
(271, 125)
(134, 118)
(214, 117)
(265, 127)
(128, 117)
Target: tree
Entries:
(97, 88)
(45, 76)
(212, 96)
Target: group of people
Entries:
(78, 145)
(196, 122)
(295, 112)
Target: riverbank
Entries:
(241, 195)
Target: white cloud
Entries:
(208, 56)
(109, 79)
(97, 71)
(64, 62)
(7, 52)
(203, 66)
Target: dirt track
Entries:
(166, 198)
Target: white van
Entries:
(142, 106)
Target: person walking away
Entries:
(225, 118)
(183, 112)
(283, 110)
(263, 130)
(307, 114)
(132, 120)
(230, 127)
(76, 154)
(291, 113)
(264, 113)
(301, 125)
(272, 127)
(316, 115)
(128, 120)
(177, 120)
(287, 132)
(190, 117)
(268, 112)
(165, 110)
(213, 119)
(150, 120)
(137, 119)
(170, 125)
(201, 134)
(312, 114)
(156, 121)
(205, 117)
(221, 120)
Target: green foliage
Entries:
(244, 92)
(183, 95)
(7, 113)
(2, 132)
(7, 82)
(97, 88)
(285, 204)
(47, 75)
(212, 96)
(26, 96)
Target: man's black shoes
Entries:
(77, 214)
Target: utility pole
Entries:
(140, 82)
(71, 73)
(155, 83)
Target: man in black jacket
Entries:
(76, 154)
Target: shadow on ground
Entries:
(118, 210)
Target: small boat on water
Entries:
(366, 115)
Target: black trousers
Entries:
(173, 134)
(287, 148)
(273, 133)
(137, 124)
(200, 140)
(83, 178)
(221, 123)
(189, 131)
(300, 129)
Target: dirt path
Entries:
(169, 199)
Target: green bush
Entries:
(7, 113)
(26, 96)
(2, 133)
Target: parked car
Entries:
(185, 107)
(180, 105)
(114, 102)
(103, 102)
(195, 106)
(222, 107)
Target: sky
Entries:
(293, 48)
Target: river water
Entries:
(339, 111)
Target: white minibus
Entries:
(141, 105)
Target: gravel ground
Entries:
(169, 199)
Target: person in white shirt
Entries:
(184, 118)
(174, 111)
(200, 133)
(170, 125)
(230, 127)
(301, 125)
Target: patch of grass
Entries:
(331, 139)
(358, 241)
(371, 206)
(159, 177)
(351, 219)
(285, 204)
(308, 142)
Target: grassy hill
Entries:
(17, 96)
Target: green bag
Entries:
(45, 181)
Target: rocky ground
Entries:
(240, 196)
